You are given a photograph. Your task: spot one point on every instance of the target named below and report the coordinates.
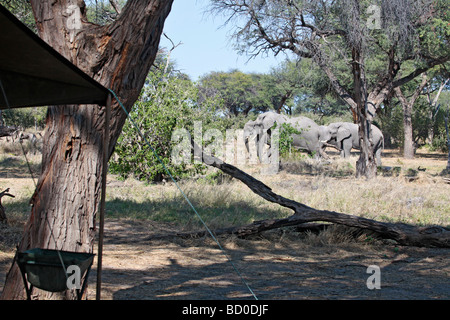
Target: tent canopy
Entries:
(34, 74)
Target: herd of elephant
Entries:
(310, 136)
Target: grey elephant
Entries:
(345, 136)
(260, 130)
(308, 137)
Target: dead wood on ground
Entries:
(3, 218)
(404, 234)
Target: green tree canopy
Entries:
(239, 92)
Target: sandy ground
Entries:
(275, 266)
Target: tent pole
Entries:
(103, 197)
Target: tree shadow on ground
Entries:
(279, 273)
(337, 167)
(15, 168)
(176, 211)
(314, 168)
(395, 153)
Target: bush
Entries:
(25, 117)
(166, 104)
(286, 139)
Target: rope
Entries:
(185, 197)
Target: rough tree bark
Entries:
(366, 165)
(118, 56)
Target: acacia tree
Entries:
(350, 31)
(118, 55)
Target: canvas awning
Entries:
(34, 74)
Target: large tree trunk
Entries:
(408, 147)
(434, 107)
(366, 164)
(118, 56)
(408, 143)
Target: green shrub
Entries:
(166, 104)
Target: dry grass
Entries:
(275, 262)
(387, 199)
(322, 185)
(329, 186)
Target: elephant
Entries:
(345, 136)
(309, 136)
(261, 130)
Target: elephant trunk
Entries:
(326, 144)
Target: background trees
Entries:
(331, 32)
(239, 92)
(300, 84)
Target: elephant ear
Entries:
(248, 125)
(343, 133)
(268, 123)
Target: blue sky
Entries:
(206, 44)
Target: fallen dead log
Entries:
(3, 218)
(404, 234)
